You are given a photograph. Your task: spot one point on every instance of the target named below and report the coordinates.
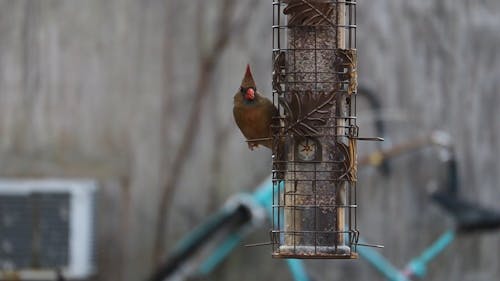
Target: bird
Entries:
(258, 120)
(254, 114)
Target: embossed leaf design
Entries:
(309, 12)
(306, 111)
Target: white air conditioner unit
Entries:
(47, 225)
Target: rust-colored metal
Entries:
(310, 13)
(315, 146)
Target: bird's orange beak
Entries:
(250, 94)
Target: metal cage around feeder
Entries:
(314, 142)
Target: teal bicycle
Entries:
(207, 246)
(203, 250)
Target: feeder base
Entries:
(318, 252)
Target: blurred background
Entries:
(137, 95)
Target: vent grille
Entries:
(35, 230)
(47, 225)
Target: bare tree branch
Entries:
(220, 142)
(207, 66)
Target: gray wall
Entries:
(104, 89)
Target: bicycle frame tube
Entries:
(381, 264)
(220, 253)
(263, 197)
(416, 267)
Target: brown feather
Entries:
(248, 79)
(257, 120)
(254, 118)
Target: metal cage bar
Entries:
(315, 137)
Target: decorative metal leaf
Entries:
(347, 59)
(309, 12)
(349, 165)
(306, 111)
(278, 72)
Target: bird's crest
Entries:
(248, 79)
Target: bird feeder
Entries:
(314, 142)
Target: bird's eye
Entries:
(243, 90)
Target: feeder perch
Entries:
(314, 142)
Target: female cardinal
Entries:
(254, 114)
